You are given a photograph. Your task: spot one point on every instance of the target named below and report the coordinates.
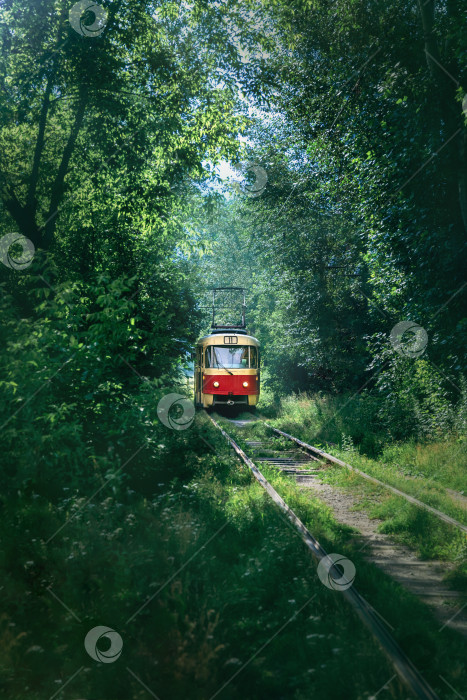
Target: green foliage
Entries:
(360, 226)
(108, 146)
(108, 126)
(76, 375)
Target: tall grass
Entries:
(431, 470)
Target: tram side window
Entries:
(207, 357)
(244, 358)
(253, 357)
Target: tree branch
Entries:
(463, 178)
(31, 202)
(427, 13)
(59, 182)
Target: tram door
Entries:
(199, 374)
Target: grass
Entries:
(196, 571)
(212, 592)
(414, 626)
(214, 595)
(445, 463)
(426, 471)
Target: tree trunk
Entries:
(463, 178)
(59, 184)
(449, 107)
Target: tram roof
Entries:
(218, 338)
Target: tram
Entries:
(227, 364)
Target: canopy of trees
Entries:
(113, 128)
(363, 221)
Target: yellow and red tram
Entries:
(226, 370)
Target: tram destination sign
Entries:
(230, 340)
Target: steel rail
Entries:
(401, 663)
(340, 463)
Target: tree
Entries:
(373, 116)
(134, 108)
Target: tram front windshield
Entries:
(241, 356)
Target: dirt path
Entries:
(423, 578)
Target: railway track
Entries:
(324, 457)
(424, 579)
(309, 464)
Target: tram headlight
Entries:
(216, 384)
(245, 384)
